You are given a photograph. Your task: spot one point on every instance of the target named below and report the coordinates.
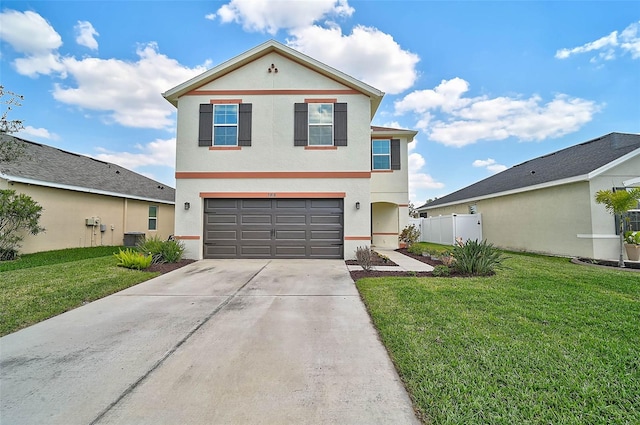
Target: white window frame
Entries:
(236, 125)
(311, 124)
(152, 218)
(374, 155)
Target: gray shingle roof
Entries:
(573, 161)
(48, 164)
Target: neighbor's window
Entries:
(381, 152)
(633, 222)
(320, 124)
(225, 125)
(153, 217)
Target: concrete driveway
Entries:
(216, 342)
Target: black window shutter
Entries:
(244, 124)
(395, 154)
(205, 133)
(340, 124)
(301, 124)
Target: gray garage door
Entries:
(273, 228)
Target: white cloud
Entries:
(466, 120)
(607, 46)
(367, 54)
(128, 91)
(160, 152)
(30, 34)
(41, 133)
(271, 16)
(418, 179)
(490, 164)
(85, 35)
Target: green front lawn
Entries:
(39, 286)
(543, 341)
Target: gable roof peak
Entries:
(172, 95)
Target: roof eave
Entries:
(24, 180)
(409, 134)
(172, 95)
(569, 180)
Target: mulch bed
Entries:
(168, 267)
(360, 274)
(629, 265)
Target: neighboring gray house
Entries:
(87, 202)
(547, 204)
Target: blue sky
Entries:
(488, 85)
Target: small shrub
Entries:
(364, 256)
(476, 258)
(172, 251)
(409, 235)
(440, 271)
(161, 251)
(8, 254)
(133, 259)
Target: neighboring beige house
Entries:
(274, 160)
(86, 202)
(547, 204)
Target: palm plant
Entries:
(618, 203)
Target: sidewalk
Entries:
(403, 262)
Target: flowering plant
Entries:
(632, 238)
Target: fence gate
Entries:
(445, 229)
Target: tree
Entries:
(9, 149)
(618, 203)
(413, 212)
(18, 214)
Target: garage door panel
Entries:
(222, 218)
(252, 235)
(217, 235)
(273, 228)
(246, 204)
(256, 219)
(298, 235)
(333, 235)
(326, 251)
(231, 204)
(326, 219)
(257, 251)
(291, 219)
(290, 203)
(327, 203)
(220, 251)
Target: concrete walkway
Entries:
(216, 342)
(404, 263)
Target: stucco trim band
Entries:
(273, 175)
(357, 238)
(290, 195)
(187, 237)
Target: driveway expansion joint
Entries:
(169, 353)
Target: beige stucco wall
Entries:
(65, 211)
(545, 221)
(559, 220)
(272, 148)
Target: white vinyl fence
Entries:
(445, 229)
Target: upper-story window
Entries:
(381, 152)
(321, 124)
(225, 125)
(385, 154)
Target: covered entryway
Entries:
(273, 228)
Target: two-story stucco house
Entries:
(276, 158)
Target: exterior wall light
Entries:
(187, 205)
(358, 205)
